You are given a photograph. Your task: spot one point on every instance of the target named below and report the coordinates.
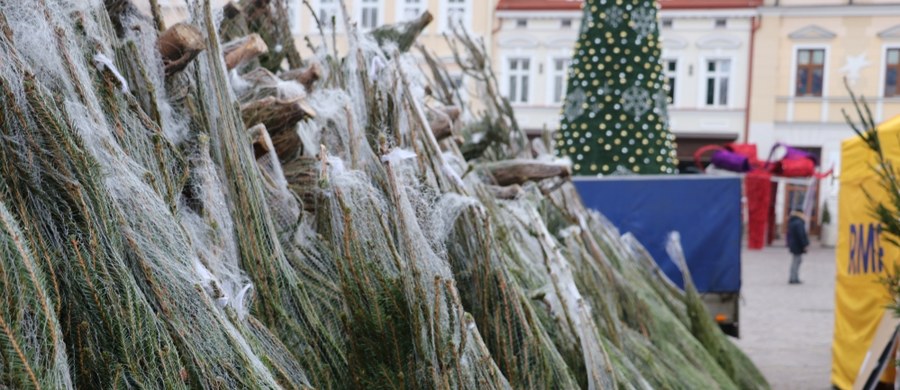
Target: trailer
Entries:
(705, 210)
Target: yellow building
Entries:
(804, 49)
(477, 17)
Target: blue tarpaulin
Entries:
(705, 210)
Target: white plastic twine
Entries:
(102, 62)
(377, 65)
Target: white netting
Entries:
(166, 231)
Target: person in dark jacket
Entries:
(797, 241)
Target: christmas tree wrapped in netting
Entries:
(614, 118)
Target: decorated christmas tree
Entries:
(614, 117)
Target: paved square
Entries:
(787, 329)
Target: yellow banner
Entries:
(863, 254)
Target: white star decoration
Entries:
(853, 65)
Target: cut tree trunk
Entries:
(179, 45)
(240, 51)
(307, 77)
(279, 116)
(403, 34)
(520, 171)
(441, 121)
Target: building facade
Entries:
(805, 51)
(474, 16)
(706, 52)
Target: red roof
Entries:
(568, 5)
(699, 4)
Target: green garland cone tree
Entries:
(614, 117)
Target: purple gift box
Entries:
(796, 154)
(730, 161)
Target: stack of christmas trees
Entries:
(179, 212)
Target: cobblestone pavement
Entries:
(787, 329)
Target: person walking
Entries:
(797, 241)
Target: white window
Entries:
(409, 9)
(293, 10)
(521, 23)
(718, 75)
(670, 68)
(518, 72)
(369, 14)
(667, 22)
(329, 14)
(558, 71)
(456, 13)
(565, 23)
(721, 23)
